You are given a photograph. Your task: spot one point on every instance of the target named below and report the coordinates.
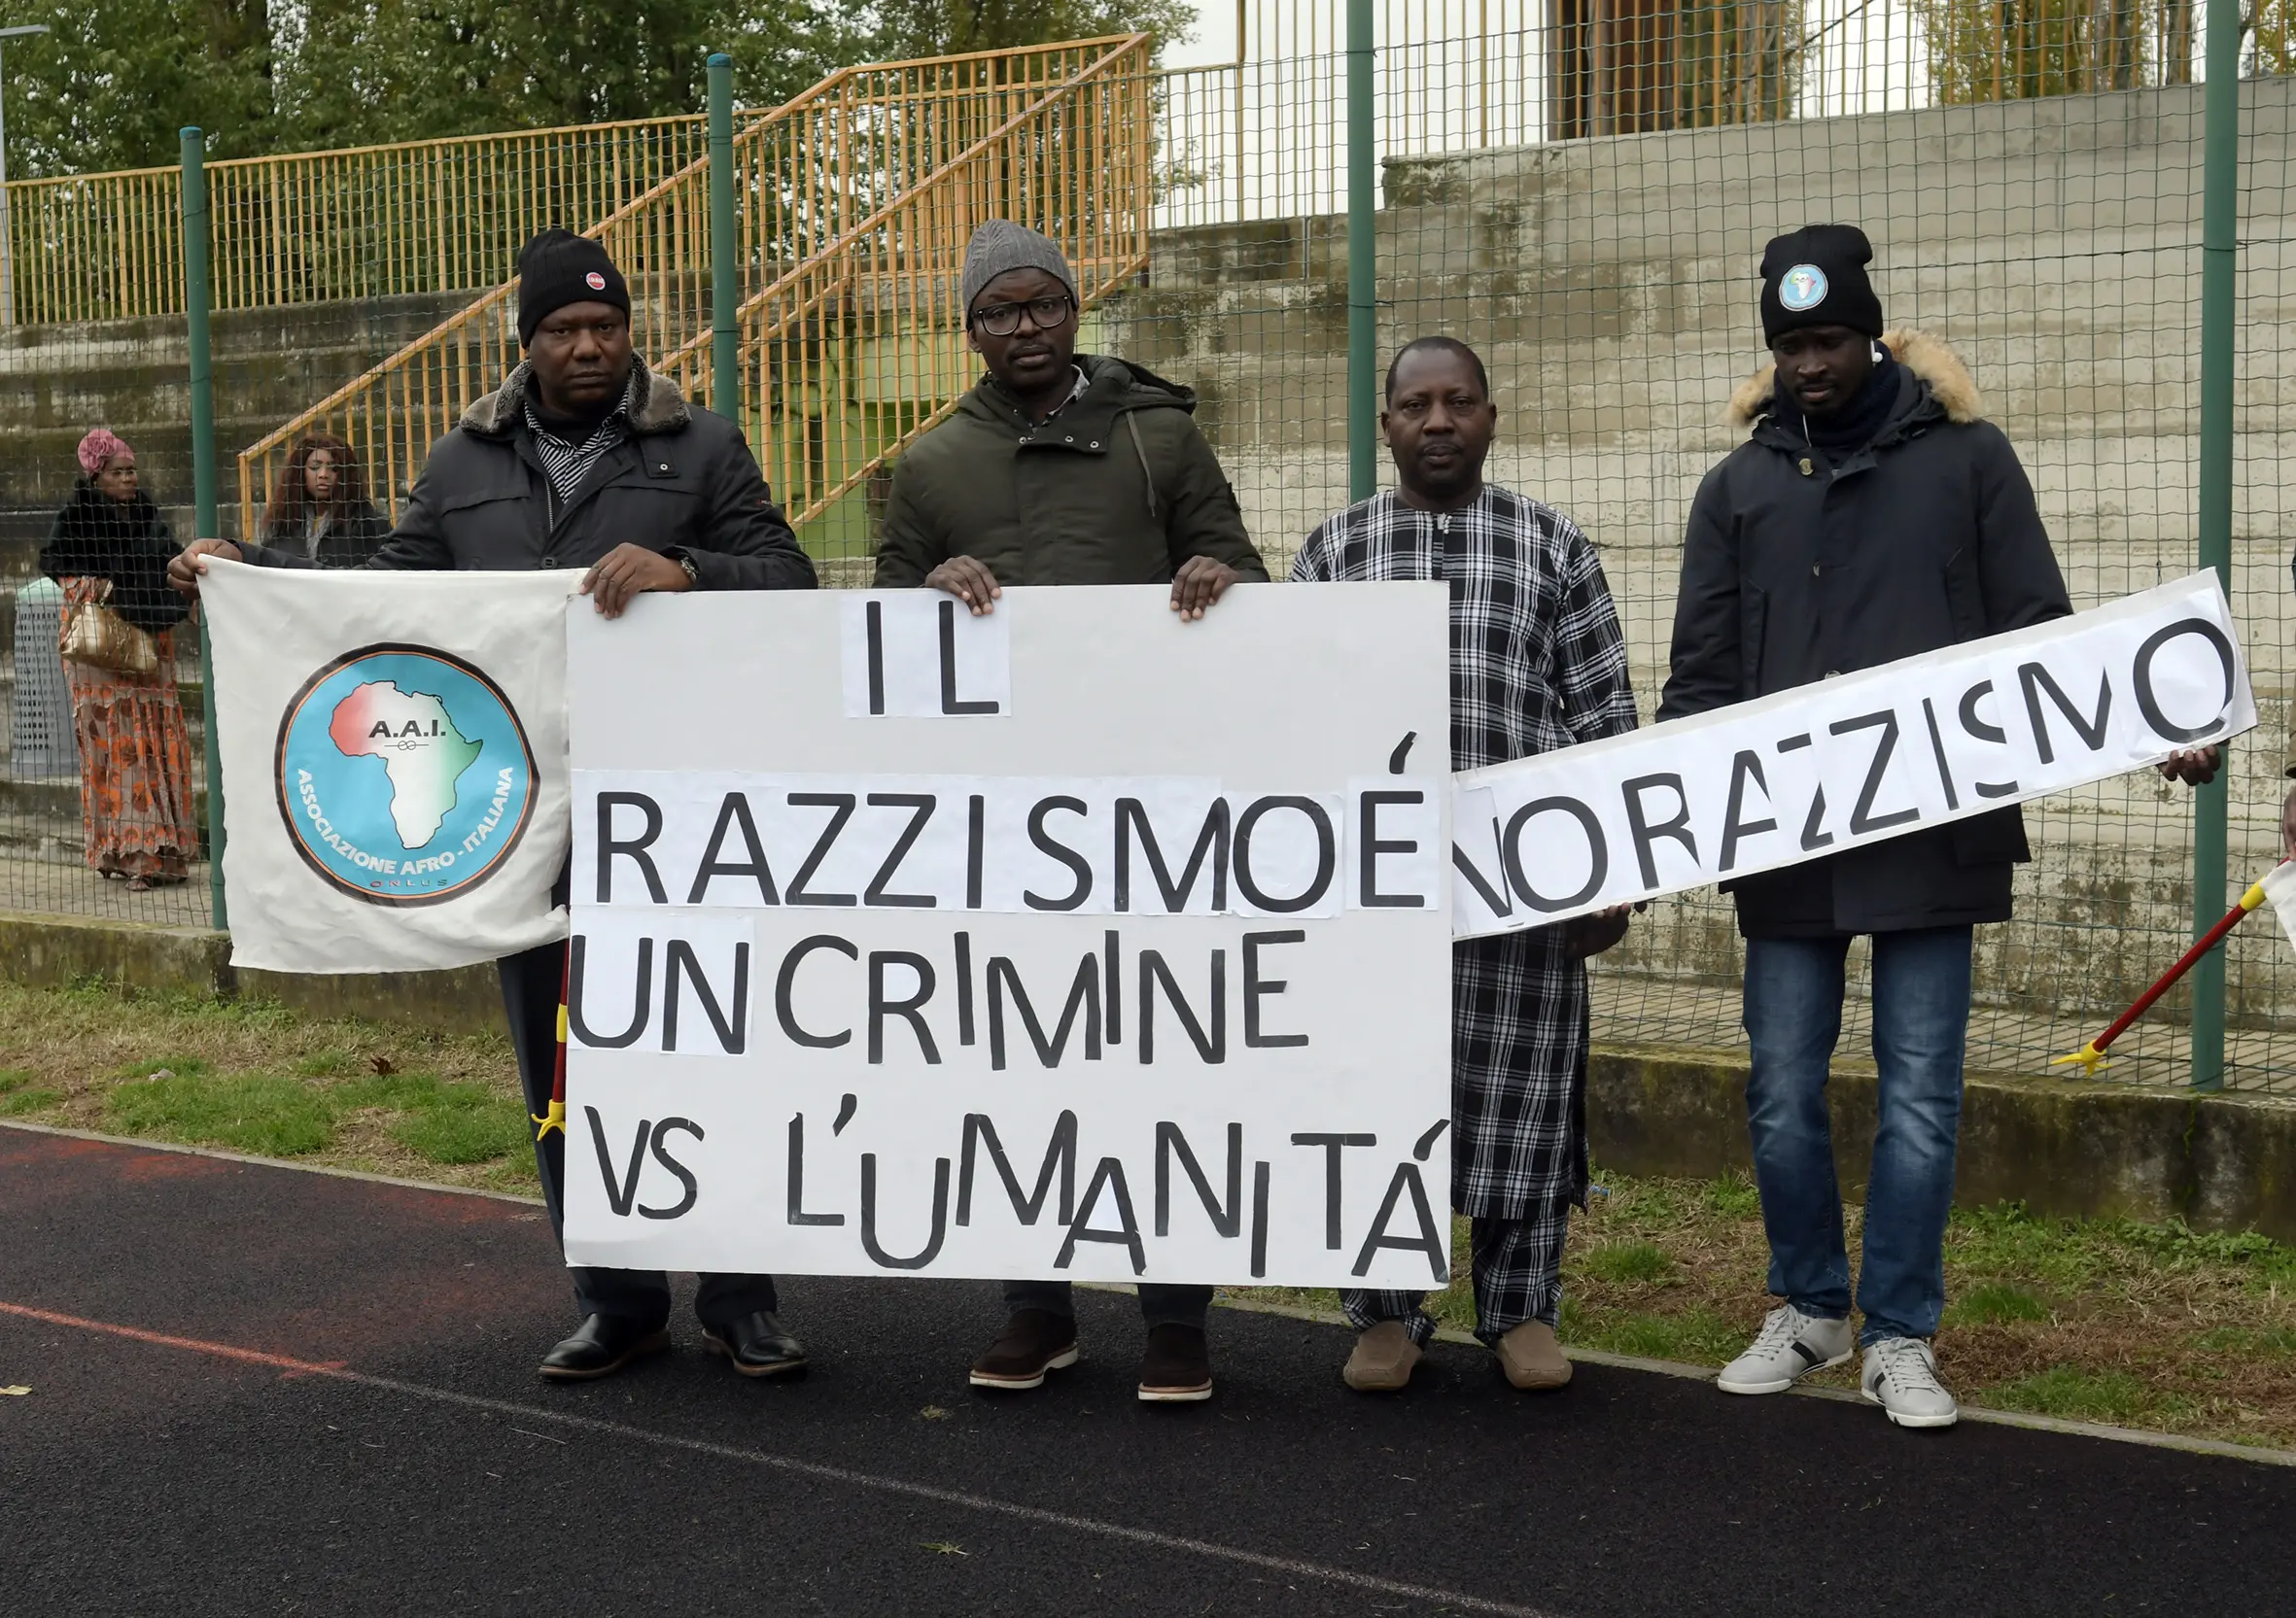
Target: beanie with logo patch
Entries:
(559, 267)
(1816, 276)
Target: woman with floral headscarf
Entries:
(110, 545)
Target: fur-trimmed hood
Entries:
(1928, 358)
(655, 404)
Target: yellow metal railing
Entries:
(855, 200)
(435, 215)
(856, 347)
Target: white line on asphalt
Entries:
(2262, 1455)
(819, 1471)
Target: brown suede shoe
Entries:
(1176, 1368)
(1382, 1360)
(1532, 1358)
(1033, 1341)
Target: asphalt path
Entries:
(256, 1390)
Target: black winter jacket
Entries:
(125, 541)
(1796, 569)
(1119, 487)
(348, 540)
(684, 479)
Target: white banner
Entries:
(394, 762)
(1810, 771)
(1073, 941)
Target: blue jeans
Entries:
(1921, 1022)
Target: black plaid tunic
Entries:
(1537, 662)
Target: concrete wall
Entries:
(1611, 287)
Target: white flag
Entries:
(394, 762)
(2280, 886)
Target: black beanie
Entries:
(1816, 276)
(559, 267)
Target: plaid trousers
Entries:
(1518, 1268)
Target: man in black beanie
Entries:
(585, 458)
(1871, 513)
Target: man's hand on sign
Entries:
(2193, 766)
(628, 571)
(1590, 935)
(185, 569)
(1200, 582)
(969, 581)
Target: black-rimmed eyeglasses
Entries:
(1002, 319)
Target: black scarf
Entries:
(1853, 427)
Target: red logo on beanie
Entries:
(597, 282)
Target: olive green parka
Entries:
(1117, 487)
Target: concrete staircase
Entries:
(1610, 286)
(134, 377)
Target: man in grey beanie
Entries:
(1061, 469)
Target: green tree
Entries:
(947, 27)
(2011, 49)
(111, 85)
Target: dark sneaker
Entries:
(1033, 1341)
(1177, 1366)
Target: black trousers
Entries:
(532, 981)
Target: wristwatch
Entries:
(685, 559)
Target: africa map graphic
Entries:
(404, 776)
(422, 752)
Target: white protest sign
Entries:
(1810, 771)
(394, 760)
(1074, 940)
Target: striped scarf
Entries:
(567, 464)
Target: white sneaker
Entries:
(1790, 1346)
(1901, 1375)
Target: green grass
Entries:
(1697, 1336)
(2240, 1339)
(1733, 1196)
(1627, 1261)
(248, 1112)
(18, 1095)
(2068, 1255)
(1994, 1304)
(2081, 1394)
(278, 1116)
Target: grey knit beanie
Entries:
(999, 246)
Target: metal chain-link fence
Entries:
(1583, 193)
(1581, 190)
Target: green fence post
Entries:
(2221, 203)
(725, 371)
(1363, 268)
(195, 228)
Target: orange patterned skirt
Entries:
(135, 764)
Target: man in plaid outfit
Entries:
(1537, 663)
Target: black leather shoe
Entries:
(757, 1345)
(600, 1346)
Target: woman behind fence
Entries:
(320, 510)
(110, 549)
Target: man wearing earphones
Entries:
(1871, 513)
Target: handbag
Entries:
(97, 637)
